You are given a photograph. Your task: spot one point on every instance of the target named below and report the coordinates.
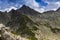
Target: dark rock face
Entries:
(4, 17)
(58, 9)
(28, 11)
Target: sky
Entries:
(38, 5)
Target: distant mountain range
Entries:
(30, 24)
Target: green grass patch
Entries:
(32, 38)
(34, 28)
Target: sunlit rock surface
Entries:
(7, 35)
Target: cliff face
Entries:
(28, 24)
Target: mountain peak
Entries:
(12, 10)
(24, 7)
(58, 9)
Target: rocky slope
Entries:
(7, 35)
(28, 24)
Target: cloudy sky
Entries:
(38, 5)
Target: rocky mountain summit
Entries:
(27, 24)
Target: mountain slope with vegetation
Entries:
(30, 24)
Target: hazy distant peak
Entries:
(58, 9)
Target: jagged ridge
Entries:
(25, 21)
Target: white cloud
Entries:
(58, 3)
(8, 9)
(32, 4)
(51, 5)
(40, 10)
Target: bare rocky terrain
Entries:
(28, 24)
